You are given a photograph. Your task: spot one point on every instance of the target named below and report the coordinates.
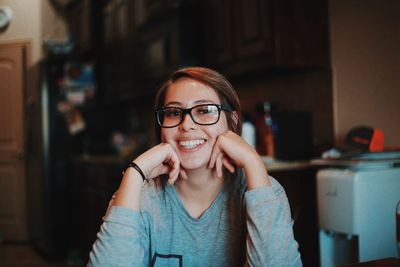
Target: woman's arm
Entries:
(159, 160)
(231, 150)
(123, 239)
(270, 240)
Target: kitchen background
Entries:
(100, 62)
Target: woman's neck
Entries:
(199, 191)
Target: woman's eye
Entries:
(202, 111)
(205, 110)
(172, 113)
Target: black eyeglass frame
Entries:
(189, 111)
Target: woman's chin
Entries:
(191, 165)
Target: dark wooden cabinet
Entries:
(237, 30)
(92, 183)
(244, 36)
(300, 188)
(253, 32)
(84, 26)
(116, 66)
(137, 44)
(218, 32)
(117, 21)
(80, 24)
(117, 74)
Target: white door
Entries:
(12, 168)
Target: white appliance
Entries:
(357, 210)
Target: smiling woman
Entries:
(207, 199)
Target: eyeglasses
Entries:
(206, 114)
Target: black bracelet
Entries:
(136, 167)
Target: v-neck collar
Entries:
(207, 214)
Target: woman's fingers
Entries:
(219, 159)
(183, 174)
(228, 165)
(161, 159)
(174, 163)
(221, 162)
(218, 165)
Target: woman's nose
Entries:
(187, 122)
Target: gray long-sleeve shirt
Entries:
(240, 228)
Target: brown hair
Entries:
(215, 81)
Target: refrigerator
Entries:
(52, 136)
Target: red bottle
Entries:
(265, 137)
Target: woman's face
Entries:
(192, 142)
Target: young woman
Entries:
(202, 197)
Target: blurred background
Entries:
(78, 79)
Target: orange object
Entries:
(376, 144)
(366, 138)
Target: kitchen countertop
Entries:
(273, 165)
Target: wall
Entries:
(33, 20)
(365, 48)
(25, 24)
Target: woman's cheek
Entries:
(165, 135)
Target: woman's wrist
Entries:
(137, 168)
(129, 190)
(256, 173)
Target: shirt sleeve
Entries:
(122, 240)
(270, 240)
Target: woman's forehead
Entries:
(188, 90)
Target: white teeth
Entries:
(191, 143)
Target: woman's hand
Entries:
(231, 150)
(161, 159)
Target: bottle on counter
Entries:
(264, 128)
(249, 131)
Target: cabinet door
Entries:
(302, 33)
(80, 20)
(300, 188)
(245, 36)
(89, 206)
(239, 35)
(218, 23)
(252, 24)
(118, 21)
(91, 188)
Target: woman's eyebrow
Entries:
(203, 101)
(173, 103)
